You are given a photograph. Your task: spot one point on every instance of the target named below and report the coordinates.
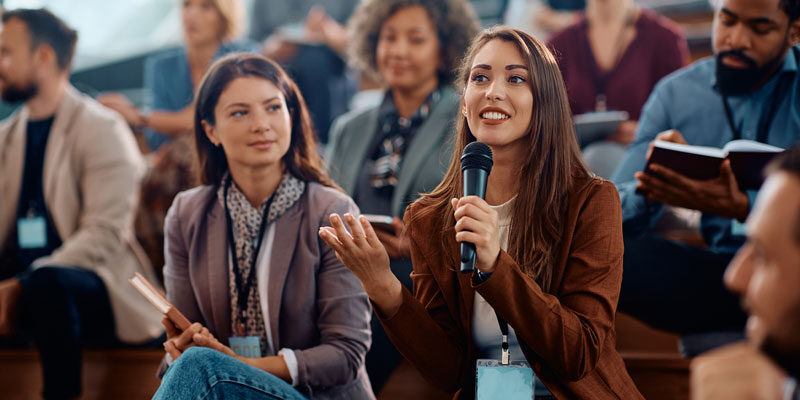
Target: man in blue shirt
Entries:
(749, 90)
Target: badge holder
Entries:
(32, 231)
(504, 379)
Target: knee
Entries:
(45, 287)
(195, 363)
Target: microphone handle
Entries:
(467, 257)
(474, 185)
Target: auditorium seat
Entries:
(107, 374)
(651, 356)
(653, 360)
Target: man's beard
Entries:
(739, 81)
(785, 349)
(789, 361)
(16, 94)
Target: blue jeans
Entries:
(202, 373)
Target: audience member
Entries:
(748, 90)
(616, 74)
(548, 239)
(308, 37)
(542, 18)
(170, 78)
(384, 156)
(766, 273)
(210, 28)
(243, 260)
(70, 177)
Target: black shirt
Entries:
(31, 199)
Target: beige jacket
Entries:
(92, 171)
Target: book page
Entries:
(685, 148)
(750, 145)
(153, 297)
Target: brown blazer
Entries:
(567, 336)
(317, 307)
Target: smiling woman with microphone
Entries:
(548, 242)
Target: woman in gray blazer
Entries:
(275, 313)
(386, 155)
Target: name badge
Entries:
(512, 381)
(245, 346)
(32, 232)
(738, 228)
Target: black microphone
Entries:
(476, 163)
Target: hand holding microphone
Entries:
(476, 222)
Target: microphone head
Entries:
(477, 155)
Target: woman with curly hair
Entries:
(386, 155)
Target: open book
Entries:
(748, 159)
(159, 301)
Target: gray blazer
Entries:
(425, 161)
(317, 307)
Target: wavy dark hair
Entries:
(454, 20)
(301, 160)
(546, 175)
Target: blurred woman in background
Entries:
(386, 155)
(211, 29)
(610, 60)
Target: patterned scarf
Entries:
(396, 133)
(246, 222)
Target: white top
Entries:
(262, 276)
(485, 328)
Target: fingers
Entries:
(671, 177)
(471, 237)
(341, 233)
(726, 172)
(173, 351)
(671, 135)
(469, 224)
(328, 234)
(170, 328)
(470, 209)
(355, 227)
(206, 339)
(369, 232)
(185, 338)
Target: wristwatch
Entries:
(482, 276)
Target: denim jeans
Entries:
(202, 373)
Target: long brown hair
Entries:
(545, 176)
(301, 160)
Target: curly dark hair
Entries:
(791, 8)
(455, 21)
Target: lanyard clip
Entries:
(506, 353)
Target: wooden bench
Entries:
(107, 374)
(651, 357)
